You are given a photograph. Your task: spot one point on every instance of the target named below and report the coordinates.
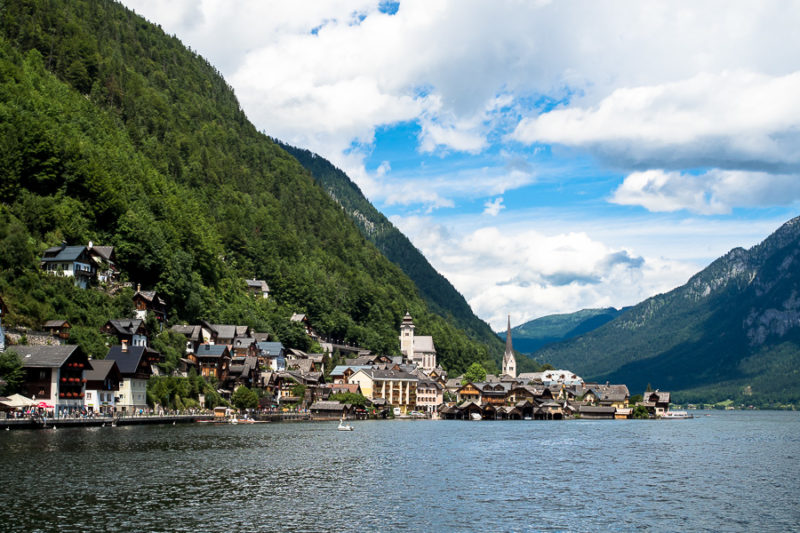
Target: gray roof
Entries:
(67, 253)
(270, 348)
(327, 406)
(191, 332)
(55, 323)
(258, 284)
(100, 369)
(127, 361)
(596, 410)
(211, 350)
(424, 344)
(103, 251)
(127, 326)
(226, 332)
(50, 356)
(375, 373)
(339, 370)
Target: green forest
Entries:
(113, 132)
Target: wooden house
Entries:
(213, 360)
(470, 392)
(258, 287)
(57, 328)
(130, 331)
(193, 334)
(656, 402)
(149, 302)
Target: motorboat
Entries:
(676, 415)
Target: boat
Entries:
(475, 416)
(343, 426)
(676, 415)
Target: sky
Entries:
(545, 157)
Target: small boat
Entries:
(676, 415)
(343, 426)
(475, 416)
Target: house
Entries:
(331, 410)
(243, 371)
(135, 365)
(102, 386)
(57, 328)
(470, 392)
(258, 287)
(213, 360)
(193, 334)
(597, 412)
(149, 302)
(130, 331)
(418, 349)
(430, 395)
(70, 261)
(656, 402)
(244, 346)
(341, 373)
(397, 387)
(271, 355)
(103, 257)
(223, 333)
(55, 374)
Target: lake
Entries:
(722, 471)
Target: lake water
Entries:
(729, 471)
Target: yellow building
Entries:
(397, 387)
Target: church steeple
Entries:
(509, 361)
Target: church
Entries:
(509, 361)
(417, 349)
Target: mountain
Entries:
(113, 132)
(731, 332)
(532, 335)
(440, 295)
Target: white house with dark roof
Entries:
(418, 349)
(70, 261)
(135, 364)
(258, 287)
(102, 386)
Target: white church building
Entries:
(417, 349)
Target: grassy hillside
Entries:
(112, 131)
(733, 331)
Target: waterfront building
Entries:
(102, 386)
(135, 365)
(55, 374)
(656, 402)
(430, 395)
(397, 387)
(418, 349)
(509, 361)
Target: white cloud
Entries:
(528, 273)
(383, 169)
(739, 120)
(714, 192)
(493, 207)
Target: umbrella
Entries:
(44, 405)
(18, 400)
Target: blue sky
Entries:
(544, 156)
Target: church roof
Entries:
(424, 344)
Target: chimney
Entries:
(91, 245)
(124, 346)
(138, 287)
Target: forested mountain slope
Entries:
(534, 334)
(732, 331)
(112, 131)
(440, 295)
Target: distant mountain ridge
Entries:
(535, 334)
(732, 331)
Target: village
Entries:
(61, 382)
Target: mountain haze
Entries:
(534, 334)
(113, 132)
(732, 331)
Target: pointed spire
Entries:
(509, 346)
